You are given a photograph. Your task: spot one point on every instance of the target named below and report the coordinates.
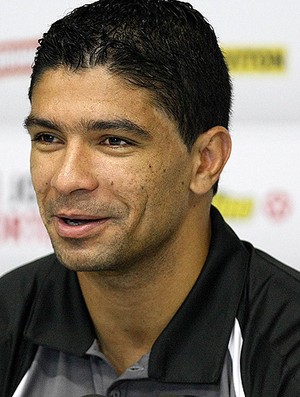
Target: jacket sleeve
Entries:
(271, 329)
(17, 293)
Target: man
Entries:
(149, 292)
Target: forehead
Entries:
(88, 84)
(95, 94)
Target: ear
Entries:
(210, 153)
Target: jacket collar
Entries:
(59, 318)
(193, 346)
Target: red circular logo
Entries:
(278, 206)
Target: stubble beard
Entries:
(75, 255)
(134, 264)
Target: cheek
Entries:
(40, 176)
(169, 196)
(130, 188)
(164, 186)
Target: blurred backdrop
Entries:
(260, 187)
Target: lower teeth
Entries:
(74, 222)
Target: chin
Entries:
(85, 262)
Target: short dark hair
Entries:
(165, 46)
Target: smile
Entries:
(77, 222)
(79, 227)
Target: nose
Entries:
(74, 170)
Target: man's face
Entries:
(110, 171)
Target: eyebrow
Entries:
(90, 125)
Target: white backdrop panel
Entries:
(263, 170)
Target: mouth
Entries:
(77, 222)
(79, 226)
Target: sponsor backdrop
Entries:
(260, 188)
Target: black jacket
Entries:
(41, 304)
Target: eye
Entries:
(45, 138)
(115, 141)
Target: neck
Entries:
(129, 311)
